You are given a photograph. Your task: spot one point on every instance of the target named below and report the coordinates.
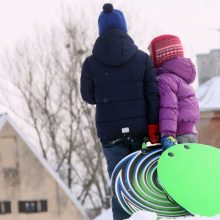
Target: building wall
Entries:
(203, 63)
(209, 128)
(208, 65)
(23, 177)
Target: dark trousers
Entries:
(113, 154)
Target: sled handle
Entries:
(144, 146)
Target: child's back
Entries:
(121, 81)
(179, 110)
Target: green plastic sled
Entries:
(190, 174)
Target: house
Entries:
(30, 189)
(208, 95)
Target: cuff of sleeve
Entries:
(168, 133)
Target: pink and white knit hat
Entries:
(164, 48)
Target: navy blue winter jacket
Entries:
(121, 81)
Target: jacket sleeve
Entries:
(151, 93)
(168, 106)
(87, 87)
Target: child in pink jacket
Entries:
(179, 109)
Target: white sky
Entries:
(195, 21)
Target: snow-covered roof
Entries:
(208, 95)
(4, 118)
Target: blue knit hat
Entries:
(111, 18)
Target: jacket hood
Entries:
(182, 67)
(114, 48)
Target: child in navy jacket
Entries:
(121, 81)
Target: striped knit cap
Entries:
(164, 48)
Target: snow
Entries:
(141, 215)
(144, 215)
(105, 215)
(208, 94)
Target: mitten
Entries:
(153, 133)
(168, 142)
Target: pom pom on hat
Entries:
(107, 8)
(164, 48)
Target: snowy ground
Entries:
(143, 215)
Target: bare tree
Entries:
(46, 72)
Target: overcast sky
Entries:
(195, 21)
